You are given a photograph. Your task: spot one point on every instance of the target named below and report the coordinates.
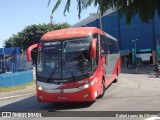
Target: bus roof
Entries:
(71, 33)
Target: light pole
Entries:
(3, 58)
(100, 18)
(157, 52)
(135, 45)
(51, 17)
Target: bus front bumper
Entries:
(90, 93)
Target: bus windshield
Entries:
(64, 61)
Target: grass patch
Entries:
(20, 87)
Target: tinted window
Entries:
(108, 46)
(113, 47)
(104, 45)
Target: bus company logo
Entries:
(80, 44)
(61, 91)
(6, 114)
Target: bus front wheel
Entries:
(102, 89)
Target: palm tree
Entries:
(145, 9)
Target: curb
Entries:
(16, 96)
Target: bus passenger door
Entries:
(111, 58)
(108, 66)
(105, 51)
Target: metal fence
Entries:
(14, 68)
(24, 64)
(15, 79)
(14, 63)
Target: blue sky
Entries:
(17, 14)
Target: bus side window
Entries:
(104, 45)
(95, 61)
(110, 47)
(114, 47)
(107, 46)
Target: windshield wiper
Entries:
(49, 78)
(73, 76)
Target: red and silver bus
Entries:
(75, 64)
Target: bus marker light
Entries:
(95, 94)
(86, 95)
(40, 97)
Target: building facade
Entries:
(137, 41)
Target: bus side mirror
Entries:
(93, 48)
(29, 50)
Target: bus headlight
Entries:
(40, 88)
(88, 84)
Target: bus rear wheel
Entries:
(116, 79)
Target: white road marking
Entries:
(3, 98)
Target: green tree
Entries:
(31, 35)
(145, 9)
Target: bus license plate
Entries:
(62, 97)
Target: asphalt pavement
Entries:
(29, 90)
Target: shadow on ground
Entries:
(31, 104)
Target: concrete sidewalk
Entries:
(29, 90)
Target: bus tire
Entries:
(103, 89)
(116, 79)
